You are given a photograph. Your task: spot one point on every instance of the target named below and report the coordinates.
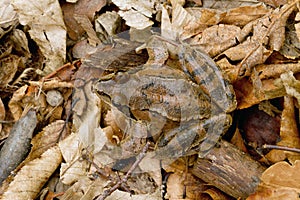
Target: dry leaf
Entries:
(30, 179)
(8, 69)
(108, 23)
(280, 181)
(45, 139)
(268, 35)
(291, 84)
(73, 169)
(2, 114)
(242, 15)
(218, 38)
(47, 29)
(289, 135)
(136, 13)
(229, 4)
(8, 18)
(87, 26)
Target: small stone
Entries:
(54, 98)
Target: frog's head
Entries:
(111, 89)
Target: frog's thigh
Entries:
(215, 127)
(180, 144)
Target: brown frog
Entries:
(176, 100)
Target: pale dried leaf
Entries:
(228, 4)
(45, 139)
(291, 84)
(135, 19)
(87, 115)
(20, 42)
(47, 29)
(110, 21)
(144, 7)
(8, 17)
(136, 13)
(240, 16)
(280, 181)
(74, 169)
(30, 179)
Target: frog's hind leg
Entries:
(215, 127)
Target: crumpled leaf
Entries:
(73, 170)
(86, 24)
(268, 35)
(218, 38)
(187, 22)
(8, 17)
(291, 84)
(288, 133)
(29, 181)
(280, 181)
(136, 13)
(8, 69)
(45, 139)
(242, 15)
(47, 29)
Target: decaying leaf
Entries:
(8, 69)
(289, 134)
(47, 29)
(45, 139)
(280, 181)
(87, 26)
(30, 179)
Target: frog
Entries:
(178, 100)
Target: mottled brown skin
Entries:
(196, 97)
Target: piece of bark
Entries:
(230, 170)
(17, 144)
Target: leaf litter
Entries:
(255, 44)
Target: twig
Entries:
(269, 146)
(109, 191)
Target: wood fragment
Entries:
(17, 144)
(230, 170)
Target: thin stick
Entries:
(269, 146)
(140, 157)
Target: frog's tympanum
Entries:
(179, 100)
